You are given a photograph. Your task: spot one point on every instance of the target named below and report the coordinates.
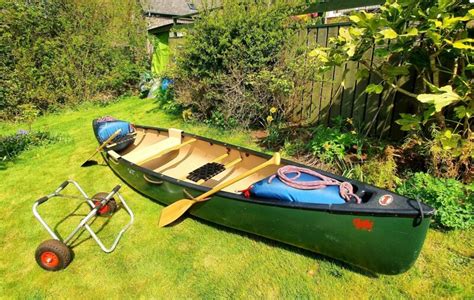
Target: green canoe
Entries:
(383, 234)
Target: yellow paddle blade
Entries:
(172, 212)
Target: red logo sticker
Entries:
(360, 224)
(385, 200)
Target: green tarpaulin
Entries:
(161, 53)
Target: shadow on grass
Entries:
(273, 243)
(77, 240)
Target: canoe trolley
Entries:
(55, 254)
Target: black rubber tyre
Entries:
(53, 255)
(108, 209)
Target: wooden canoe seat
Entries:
(141, 155)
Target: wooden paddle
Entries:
(90, 162)
(173, 211)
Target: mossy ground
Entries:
(191, 260)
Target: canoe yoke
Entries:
(157, 149)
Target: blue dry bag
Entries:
(105, 129)
(278, 190)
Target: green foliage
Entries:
(331, 143)
(428, 38)
(381, 172)
(56, 53)
(12, 145)
(454, 202)
(229, 68)
(451, 155)
(166, 100)
(28, 114)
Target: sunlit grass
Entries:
(192, 259)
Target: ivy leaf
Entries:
(443, 4)
(435, 37)
(374, 89)
(462, 112)
(319, 54)
(409, 122)
(450, 22)
(428, 113)
(411, 32)
(440, 100)
(462, 44)
(381, 52)
(354, 31)
(354, 19)
(361, 74)
(389, 33)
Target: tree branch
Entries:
(396, 87)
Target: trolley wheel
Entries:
(53, 255)
(109, 208)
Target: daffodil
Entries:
(273, 110)
(269, 119)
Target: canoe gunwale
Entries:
(347, 208)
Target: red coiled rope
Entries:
(345, 188)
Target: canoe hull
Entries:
(377, 243)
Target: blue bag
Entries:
(105, 129)
(280, 191)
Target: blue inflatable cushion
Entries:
(280, 191)
(105, 129)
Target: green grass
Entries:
(192, 259)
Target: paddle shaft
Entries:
(275, 160)
(105, 143)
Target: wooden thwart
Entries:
(172, 143)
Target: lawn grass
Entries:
(192, 259)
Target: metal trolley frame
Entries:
(56, 254)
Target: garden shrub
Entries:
(429, 42)
(229, 68)
(379, 171)
(453, 201)
(57, 53)
(12, 145)
(334, 143)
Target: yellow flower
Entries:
(353, 132)
(269, 119)
(326, 146)
(187, 114)
(273, 110)
(349, 120)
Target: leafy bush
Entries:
(228, 70)
(166, 100)
(454, 202)
(12, 145)
(331, 143)
(56, 53)
(431, 43)
(379, 171)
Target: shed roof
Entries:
(170, 7)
